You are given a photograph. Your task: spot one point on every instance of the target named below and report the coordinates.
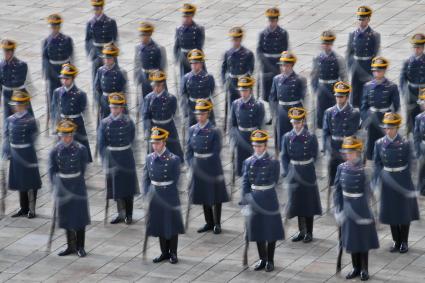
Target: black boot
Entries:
(70, 241)
(395, 232)
(309, 227)
(404, 238)
(24, 204)
(81, 238)
(262, 253)
(364, 273)
(217, 218)
(121, 212)
(270, 256)
(355, 258)
(301, 230)
(208, 214)
(164, 251)
(129, 211)
(173, 242)
(32, 198)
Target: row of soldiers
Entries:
(259, 172)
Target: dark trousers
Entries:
(212, 214)
(125, 207)
(27, 201)
(169, 246)
(421, 177)
(360, 261)
(305, 225)
(76, 239)
(400, 233)
(266, 250)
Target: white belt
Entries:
(272, 55)
(416, 85)
(99, 44)
(327, 81)
(149, 70)
(288, 103)
(247, 129)
(69, 176)
(352, 195)
(262, 188)
(194, 99)
(73, 116)
(395, 169)
(161, 184)
(162, 122)
(203, 155)
(118, 148)
(13, 88)
(24, 145)
(423, 141)
(305, 162)
(382, 110)
(362, 58)
(337, 138)
(106, 93)
(184, 50)
(237, 76)
(59, 62)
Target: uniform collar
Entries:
(115, 118)
(201, 72)
(160, 94)
(325, 54)
(285, 76)
(247, 99)
(68, 88)
(159, 154)
(21, 114)
(111, 67)
(392, 139)
(298, 133)
(364, 29)
(263, 155)
(342, 108)
(66, 144)
(383, 81)
(204, 125)
(100, 17)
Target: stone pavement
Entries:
(114, 251)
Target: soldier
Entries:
(399, 206)
(328, 68)
(109, 78)
(14, 75)
(70, 102)
(288, 90)
(67, 165)
(363, 45)
(247, 115)
(197, 84)
(19, 135)
(299, 152)
(203, 156)
(57, 49)
(339, 121)
(412, 78)
(238, 62)
(263, 219)
(149, 57)
(188, 36)
(159, 110)
(116, 134)
(380, 95)
(272, 41)
(419, 140)
(160, 177)
(100, 30)
(352, 212)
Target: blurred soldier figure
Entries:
(419, 139)
(263, 220)
(100, 30)
(328, 68)
(57, 49)
(116, 134)
(247, 115)
(273, 40)
(19, 134)
(109, 78)
(70, 102)
(352, 212)
(67, 165)
(288, 90)
(339, 121)
(188, 36)
(149, 57)
(412, 78)
(363, 45)
(299, 152)
(160, 178)
(238, 62)
(203, 156)
(399, 206)
(14, 75)
(197, 84)
(159, 110)
(380, 95)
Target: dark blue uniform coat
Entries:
(419, 140)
